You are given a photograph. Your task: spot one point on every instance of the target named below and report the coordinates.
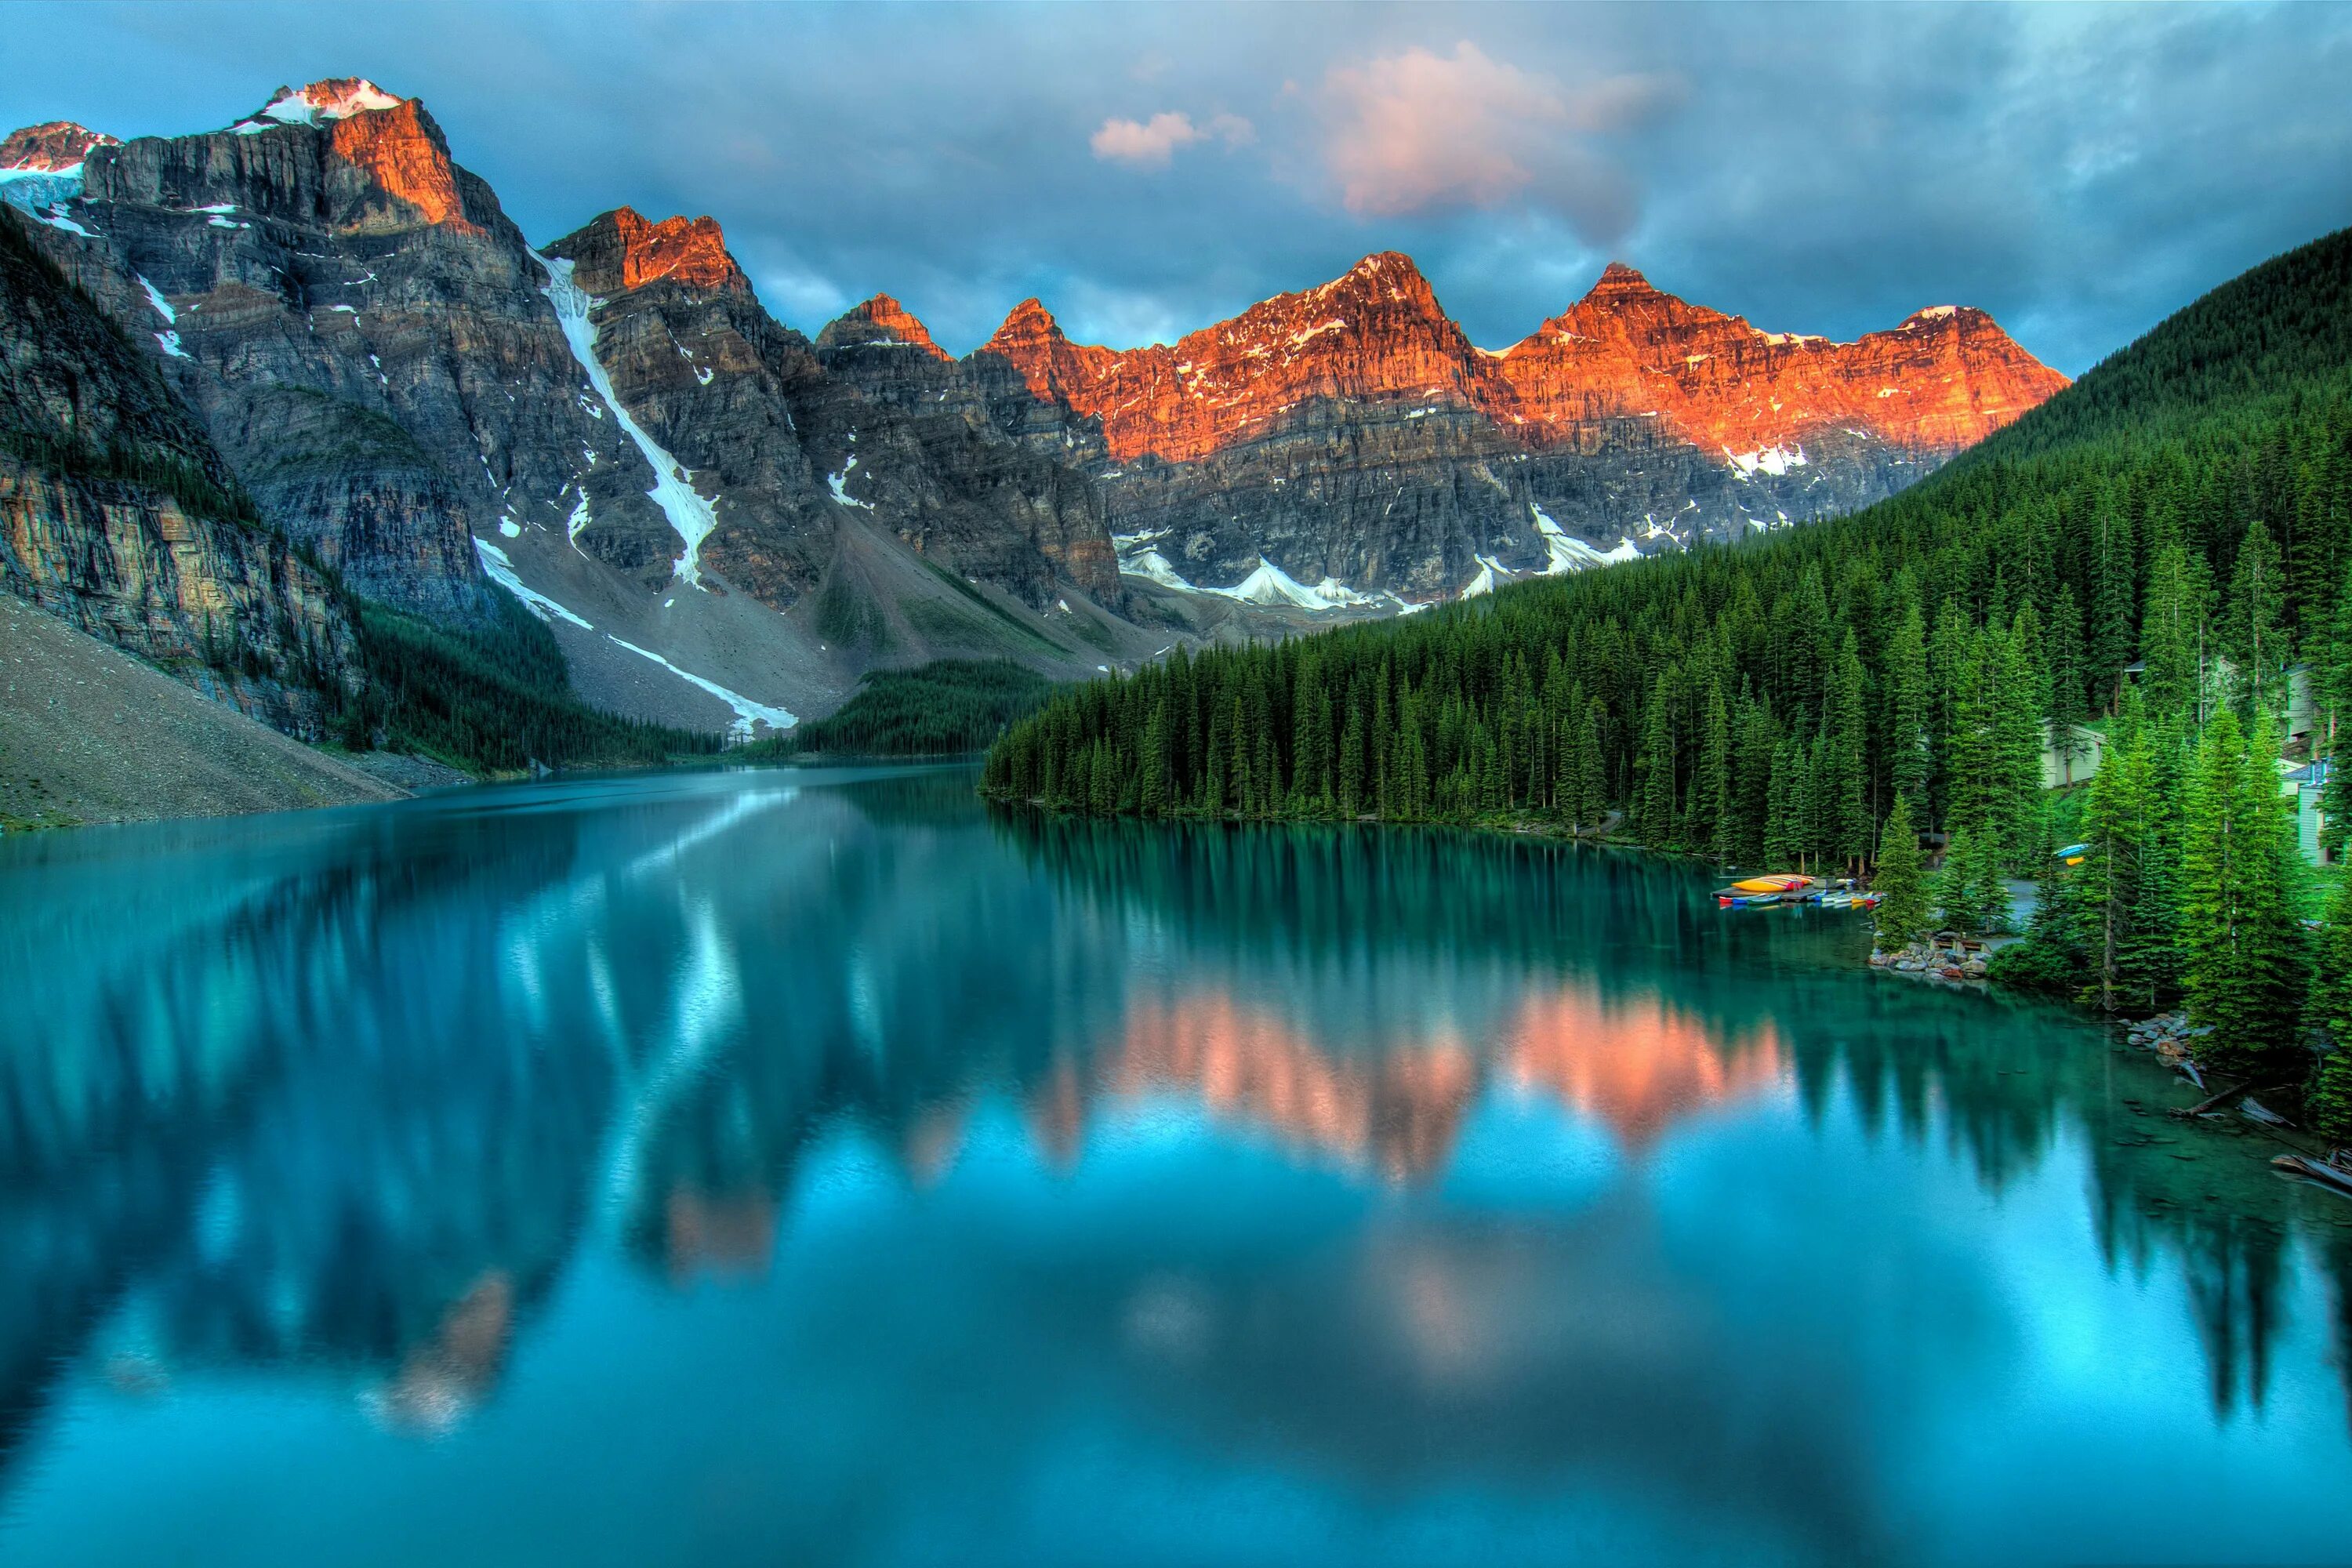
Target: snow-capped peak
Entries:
(56, 148)
(336, 97)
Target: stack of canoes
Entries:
(1756, 892)
(1790, 888)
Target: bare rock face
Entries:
(789, 447)
(1352, 431)
(118, 515)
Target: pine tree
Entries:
(1712, 813)
(1907, 707)
(2331, 973)
(2115, 567)
(2019, 700)
(1590, 786)
(2067, 710)
(1784, 841)
(2243, 949)
(1900, 882)
(1845, 802)
(2253, 632)
(1657, 792)
(1970, 895)
(2173, 636)
(1752, 782)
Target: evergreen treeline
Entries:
(2187, 504)
(493, 698)
(944, 708)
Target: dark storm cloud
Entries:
(2079, 173)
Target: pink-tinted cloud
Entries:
(1152, 142)
(1416, 132)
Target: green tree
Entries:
(2253, 634)
(1900, 882)
(1970, 895)
(1907, 707)
(2067, 710)
(2245, 961)
(2173, 636)
(1713, 815)
(1844, 800)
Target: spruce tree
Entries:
(1844, 802)
(2253, 630)
(2174, 635)
(1907, 707)
(1713, 817)
(1784, 841)
(2243, 950)
(1900, 882)
(2067, 710)
(2115, 567)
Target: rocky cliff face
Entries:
(723, 519)
(618, 429)
(118, 515)
(1351, 433)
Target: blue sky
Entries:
(2078, 172)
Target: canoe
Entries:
(2332, 1177)
(1728, 900)
(1781, 882)
(2073, 854)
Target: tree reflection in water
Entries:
(342, 1099)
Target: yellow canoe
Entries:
(1786, 883)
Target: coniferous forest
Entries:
(2147, 557)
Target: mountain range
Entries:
(726, 523)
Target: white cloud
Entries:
(1417, 131)
(1152, 142)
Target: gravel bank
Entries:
(89, 735)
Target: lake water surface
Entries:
(815, 1167)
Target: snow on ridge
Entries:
(1268, 584)
(690, 514)
(315, 104)
(1155, 566)
(155, 298)
(747, 711)
(1570, 553)
(498, 568)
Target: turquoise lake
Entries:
(820, 1167)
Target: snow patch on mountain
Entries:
(338, 98)
(1774, 460)
(1570, 553)
(748, 712)
(839, 484)
(673, 491)
(33, 191)
(498, 568)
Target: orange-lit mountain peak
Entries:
(51, 148)
(882, 320)
(623, 249)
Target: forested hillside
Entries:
(2185, 505)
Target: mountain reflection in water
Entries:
(706, 1166)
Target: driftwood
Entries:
(2209, 1102)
